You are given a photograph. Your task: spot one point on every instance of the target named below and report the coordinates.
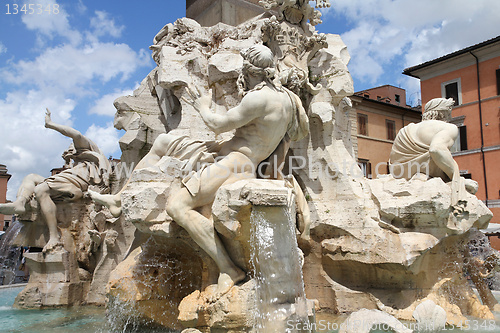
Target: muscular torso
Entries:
(438, 135)
(260, 137)
(427, 130)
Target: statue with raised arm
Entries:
(425, 148)
(85, 165)
(266, 116)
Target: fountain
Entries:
(395, 245)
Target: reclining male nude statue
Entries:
(425, 147)
(266, 116)
(90, 167)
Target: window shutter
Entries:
(463, 137)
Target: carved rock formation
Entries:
(78, 273)
(379, 244)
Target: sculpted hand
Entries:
(48, 119)
(198, 100)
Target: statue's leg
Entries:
(49, 210)
(113, 201)
(304, 215)
(201, 229)
(24, 193)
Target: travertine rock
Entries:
(81, 270)
(54, 281)
(191, 330)
(364, 320)
(425, 205)
(385, 243)
(235, 311)
(429, 316)
(151, 282)
(162, 241)
(380, 244)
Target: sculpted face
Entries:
(122, 119)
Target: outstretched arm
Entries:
(250, 108)
(441, 155)
(79, 140)
(439, 150)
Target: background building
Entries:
(471, 76)
(380, 113)
(4, 178)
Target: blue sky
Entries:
(78, 61)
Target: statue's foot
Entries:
(225, 283)
(112, 201)
(12, 208)
(52, 246)
(471, 186)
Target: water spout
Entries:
(277, 269)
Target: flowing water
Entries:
(165, 274)
(280, 291)
(84, 319)
(9, 255)
(281, 302)
(93, 320)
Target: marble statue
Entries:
(266, 115)
(425, 147)
(85, 165)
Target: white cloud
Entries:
(69, 68)
(104, 105)
(49, 25)
(3, 48)
(105, 137)
(103, 24)
(82, 9)
(59, 77)
(385, 36)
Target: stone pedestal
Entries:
(64, 277)
(54, 281)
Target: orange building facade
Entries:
(380, 113)
(471, 76)
(4, 178)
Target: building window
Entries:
(466, 175)
(362, 124)
(452, 89)
(461, 141)
(397, 98)
(390, 125)
(498, 81)
(366, 167)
